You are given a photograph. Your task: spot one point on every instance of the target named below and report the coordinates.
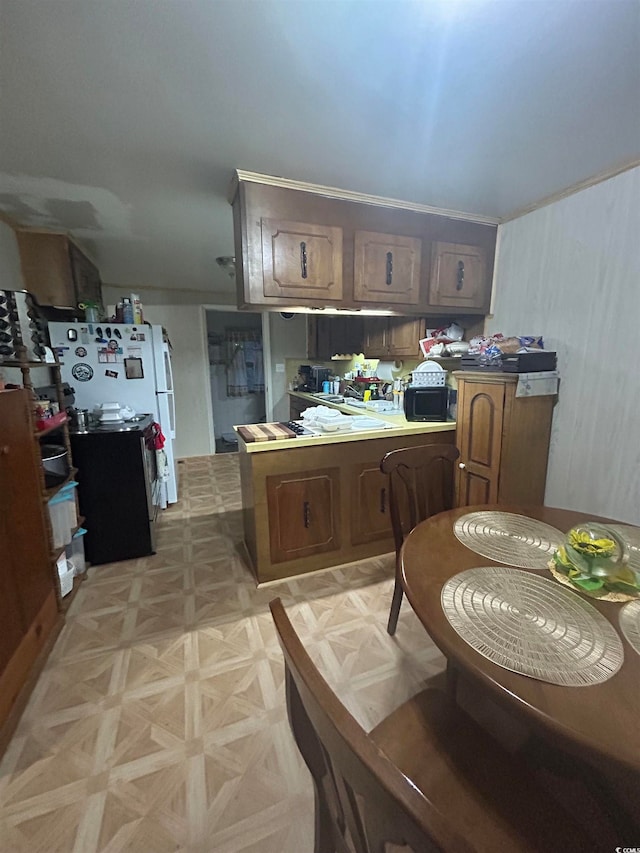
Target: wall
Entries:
(185, 325)
(288, 341)
(10, 271)
(571, 272)
(228, 411)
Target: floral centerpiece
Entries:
(594, 559)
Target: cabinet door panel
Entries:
(375, 336)
(86, 278)
(26, 555)
(480, 413)
(369, 492)
(403, 336)
(303, 513)
(301, 260)
(46, 269)
(387, 268)
(458, 276)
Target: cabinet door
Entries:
(403, 334)
(25, 553)
(479, 437)
(304, 513)
(297, 407)
(387, 268)
(86, 278)
(458, 276)
(375, 336)
(369, 494)
(301, 261)
(46, 269)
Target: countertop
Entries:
(399, 426)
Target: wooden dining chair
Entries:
(427, 777)
(421, 484)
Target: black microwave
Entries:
(426, 404)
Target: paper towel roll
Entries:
(386, 370)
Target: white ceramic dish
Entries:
(428, 367)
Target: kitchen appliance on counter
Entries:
(126, 363)
(319, 375)
(424, 403)
(117, 488)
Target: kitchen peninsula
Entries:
(313, 501)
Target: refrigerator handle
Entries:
(172, 414)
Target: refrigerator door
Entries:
(166, 416)
(162, 360)
(107, 362)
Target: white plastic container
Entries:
(65, 575)
(75, 553)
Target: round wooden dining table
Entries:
(599, 722)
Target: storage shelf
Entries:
(55, 554)
(65, 602)
(39, 433)
(49, 493)
(12, 362)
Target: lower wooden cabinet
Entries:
(309, 507)
(28, 602)
(303, 513)
(370, 517)
(503, 441)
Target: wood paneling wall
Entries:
(571, 272)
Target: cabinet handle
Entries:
(306, 514)
(303, 259)
(389, 268)
(460, 281)
(4, 450)
(383, 499)
(461, 466)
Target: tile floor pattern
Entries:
(159, 722)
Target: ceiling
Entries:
(123, 120)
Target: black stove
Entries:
(137, 424)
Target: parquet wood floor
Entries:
(159, 721)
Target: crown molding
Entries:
(348, 195)
(572, 190)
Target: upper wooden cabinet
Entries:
(301, 260)
(387, 268)
(300, 245)
(459, 277)
(55, 271)
(331, 335)
(395, 337)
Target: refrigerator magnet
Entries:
(112, 374)
(82, 372)
(133, 368)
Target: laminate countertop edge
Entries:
(399, 427)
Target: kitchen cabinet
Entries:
(331, 335)
(309, 506)
(55, 271)
(370, 516)
(28, 597)
(503, 440)
(387, 268)
(393, 337)
(301, 260)
(303, 245)
(459, 277)
(303, 513)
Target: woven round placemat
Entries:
(533, 626)
(631, 537)
(630, 624)
(516, 540)
(619, 597)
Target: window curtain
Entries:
(245, 367)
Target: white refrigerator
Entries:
(123, 363)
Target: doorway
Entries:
(237, 373)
